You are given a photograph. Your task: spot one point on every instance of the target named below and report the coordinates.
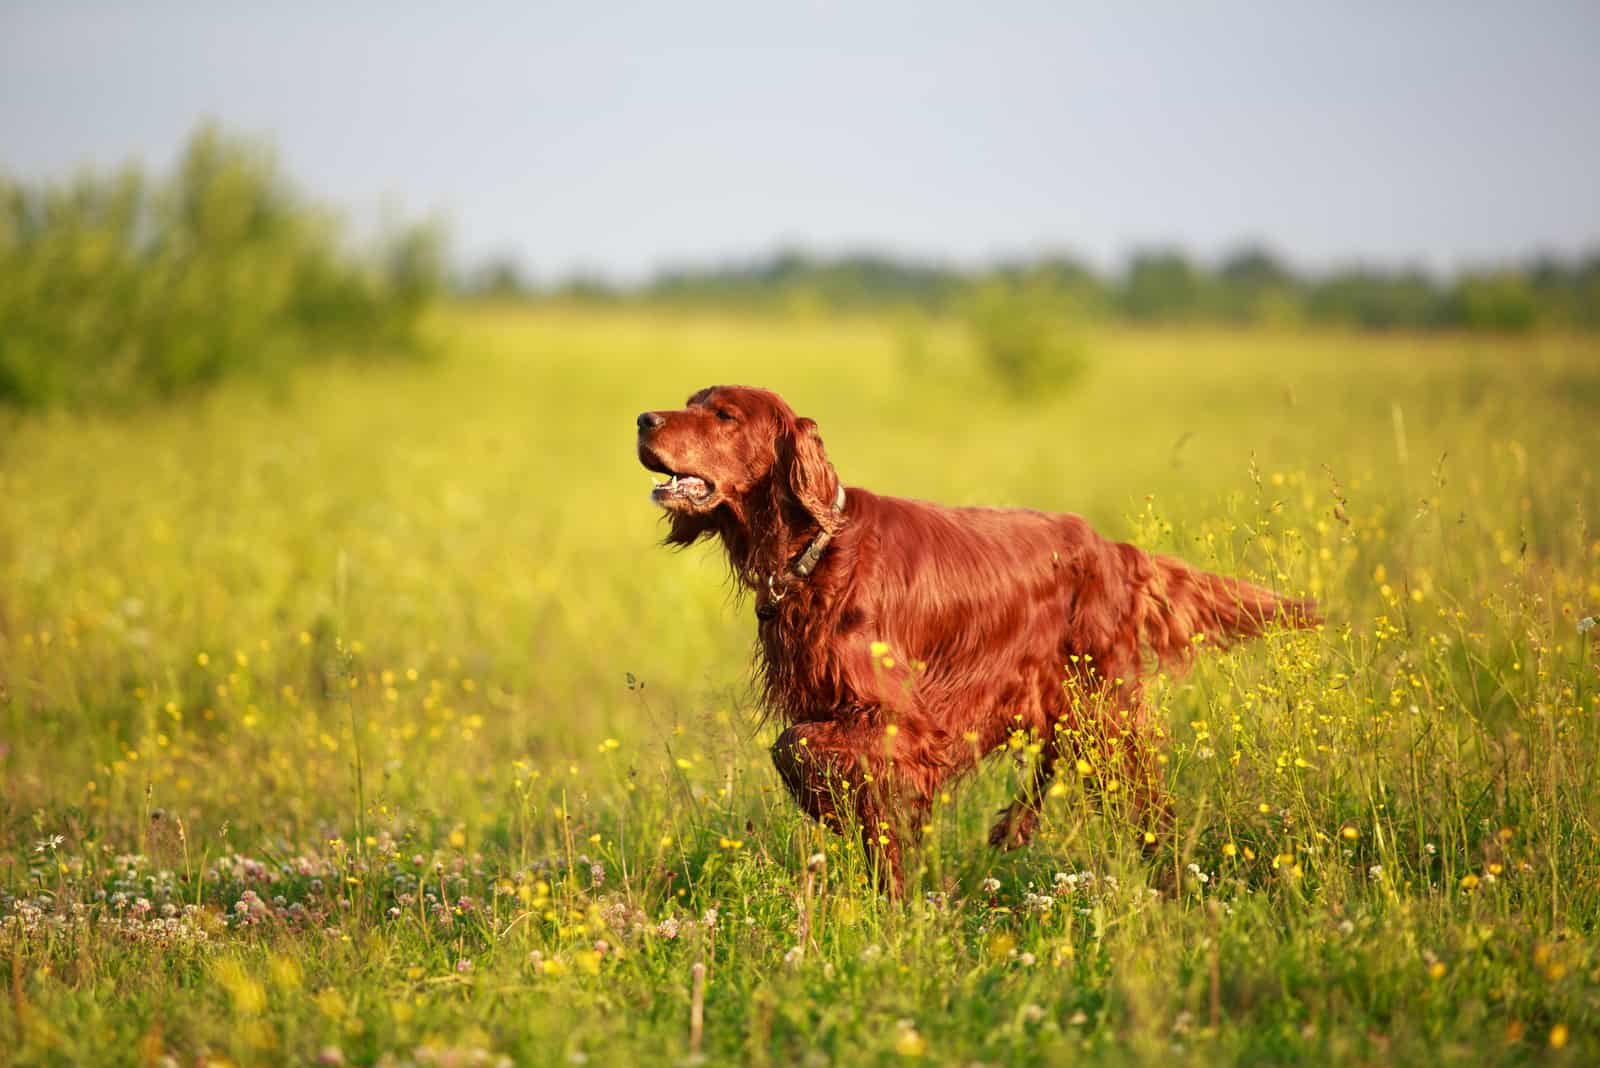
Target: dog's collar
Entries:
(804, 564)
(807, 560)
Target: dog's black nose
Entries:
(650, 420)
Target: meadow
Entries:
(358, 717)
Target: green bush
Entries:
(1024, 336)
(115, 288)
(1501, 301)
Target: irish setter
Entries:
(901, 641)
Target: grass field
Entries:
(362, 720)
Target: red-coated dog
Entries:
(900, 641)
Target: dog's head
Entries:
(737, 453)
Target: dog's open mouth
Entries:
(691, 489)
(672, 487)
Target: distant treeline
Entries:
(1250, 286)
(121, 286)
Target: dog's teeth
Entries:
(673, 482)
(657, 480)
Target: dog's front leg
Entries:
(1019, 820)
(841, 774)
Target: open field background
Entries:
(358, 718)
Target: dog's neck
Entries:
(770, 549)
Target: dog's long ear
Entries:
(804, 471)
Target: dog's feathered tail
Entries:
(1179, 603)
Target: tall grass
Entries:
(376, 728)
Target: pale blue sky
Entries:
(618, 138)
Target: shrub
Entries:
(114, 288)
(1501, 301)
(1024, 336)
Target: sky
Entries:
(613, 139)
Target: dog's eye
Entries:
(725, 415)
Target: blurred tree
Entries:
(1161, 286)
(1250, 285)
(115, 288)
(1253, 286)
(1586, 293)
(500, 277)
(590, 289)
(1377, 300)
(1493, 300)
